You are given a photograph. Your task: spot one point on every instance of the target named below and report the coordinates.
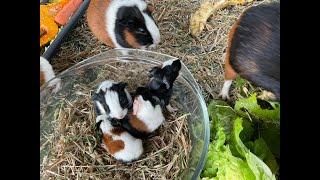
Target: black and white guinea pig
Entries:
(253, 50)
(146, 117)
(162, 79)
(117, 142)
(47, 74)
(112, 99)
(123, 23)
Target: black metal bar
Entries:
(65, 30)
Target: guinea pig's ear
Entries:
(150, 8)
(176, 65)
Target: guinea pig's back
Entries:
(96, 18)
(255, 46)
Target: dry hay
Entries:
(75, 143)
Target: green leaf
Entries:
(261, 149)
(258, 109)
(221, 114)
(258, 167)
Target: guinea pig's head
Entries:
(112, 98)
(145, 100)
(131, 25)
(164, 77)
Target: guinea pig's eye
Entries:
(141, 30)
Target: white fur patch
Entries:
(152, 28)
(225, 89)
(111, 17)
(112, 100)
(46, 68)
(151, 116)
(167, 63)
(105, 85)
(133, 147)
(49, 74)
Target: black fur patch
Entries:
(124, 124)
(255, 47)
(100, 98)
(264, 104)
(147, 95)
(131, 18)
(123, 99)
(159, 76)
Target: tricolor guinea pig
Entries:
(117, 142)
(112, 99)
(146, 116)
(162, 79)
(123, 23)
(47, 73)
(253, 50)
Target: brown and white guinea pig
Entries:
(117, 142)
(162, 79)
(253, 50)
(146, 117)
(112, 99)
(123, 23)
(47, 73)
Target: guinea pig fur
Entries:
(119, 143)
(146, 116)
(112, 99)
(162, 79)
(47, 73)
(123, 23)
(253, 50)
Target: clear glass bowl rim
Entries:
(125, 53)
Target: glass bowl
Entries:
(185, 91)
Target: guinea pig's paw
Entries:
(171, 109)
(266, 95)
(224, 95)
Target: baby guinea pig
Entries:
(47, 73)
(112, 99)
(162, 79)
(253, 50)
(123, 23)
(146, 116)
(117, 142)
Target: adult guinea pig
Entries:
(253, 50)
(123, 23)
(47, 73)
(146, 117)
(112, 99)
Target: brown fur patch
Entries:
(229, 72)
(117, 131)
(97, 21)
(130, 39)
(137, 124)
(42, 78)
(112, 146)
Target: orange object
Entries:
(48, 28)
(66, 12)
